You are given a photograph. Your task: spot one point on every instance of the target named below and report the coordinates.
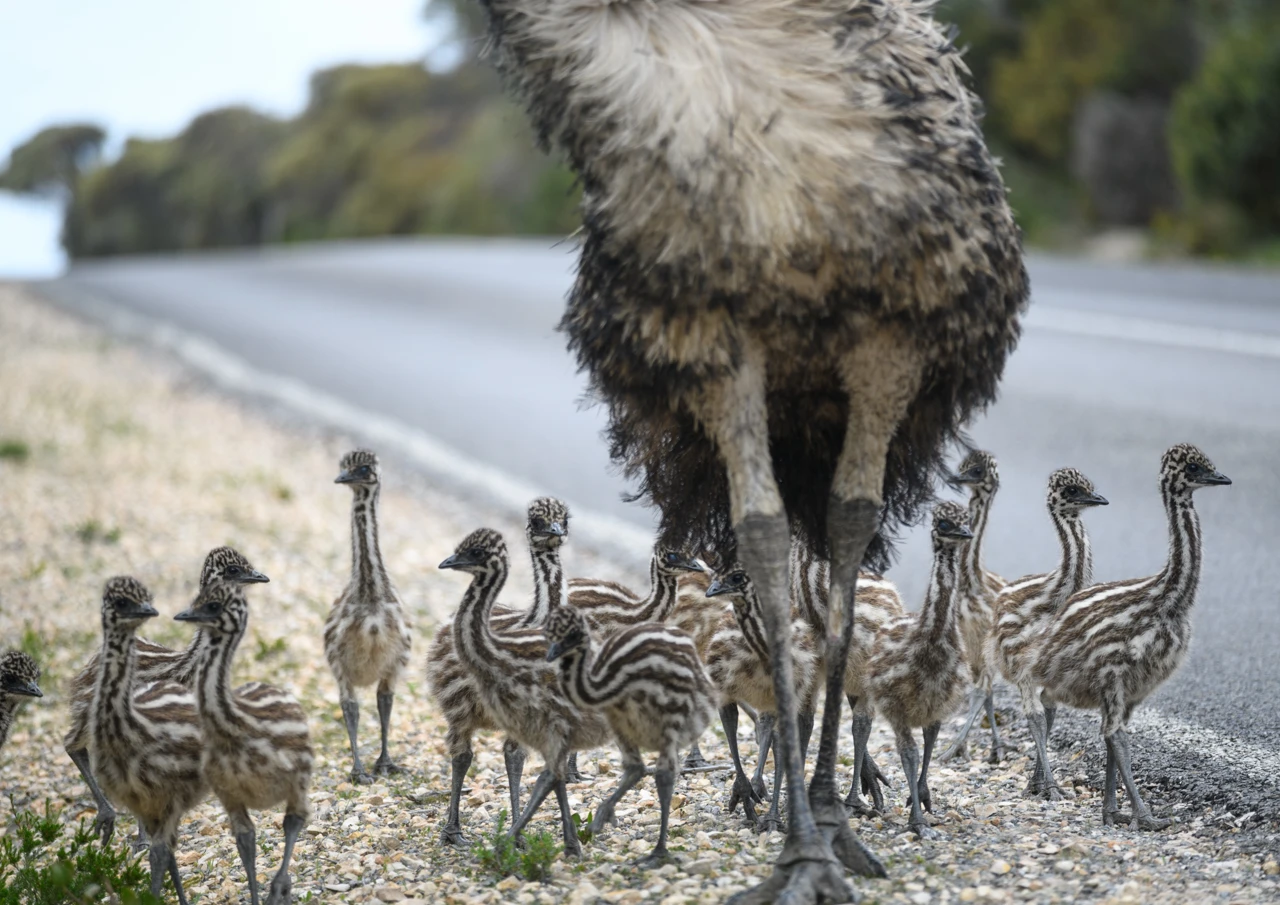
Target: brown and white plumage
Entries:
(367, 637)
(1113, 644)
(453, 686)
(519, 688)
(1026, 607)
(19, 681)
(916, 669)
(976, 599)
(652, 688)
(256, 751)
(155, 663)
(145, 740)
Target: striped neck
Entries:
(938, 614)
(549, 584)
(973, 575)
(575, 677)
(9, 705)
(218, 711)
(1075, 571)
(117, 671)
(368, 576)
(746, 609)
(1177, 583)
(475, 642)
(810, 578)
(663, 587)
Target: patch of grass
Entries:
(14, 450)
(267, 650)
(582, 825)
(36, 570)
(541, 851)
(39, 865)
(92, 530)
(284, 493)
(498, 854)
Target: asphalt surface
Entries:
(1117, 363)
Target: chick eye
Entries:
(672, 559)
(1193, 467)
(945, 525)
(476, 552)
(233, 570)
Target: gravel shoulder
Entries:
(133, 466)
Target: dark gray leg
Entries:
(1143, 819)
(571, 773)
(910, 756)
(850, 526)
(384, 765)
(997, 749)
(764, 741)
(140, 841)
(1042, 784)
(513, 756)
(105, 823)
(351, 716)
(458, 768)
(805, 720)
(666, 782)
(922, 784)
(1110, 810)
(1050, 711)
(694, 759)
(160, 857)
(772, 820)
(248, 855)
(177, 879)
(541, 788)
(632, 773)
(282, 883)
(959, 747)
(572, 847)
(742, 790)
(854, 801)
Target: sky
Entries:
(146, 67)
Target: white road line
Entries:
(1143, 330)
(606, 533)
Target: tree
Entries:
(51, 161)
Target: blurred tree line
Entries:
(1162, 114)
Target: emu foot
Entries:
(572, 846)
(386, 768)
(757, 786)
(856, 806)
(694, 759)
(572, 776)
(452, 835)
(1149, 823)
(926, 798)
(1115, 818)
(770, 823)
(872, 779)
(1044, 789)
(656, 858)
(806, 874)
(833, 823)
(923, 831)
(996, 754)
(746, 796)
(361, 778)
(603, 817)
(281, 890)
(140, 842)
(105, 824)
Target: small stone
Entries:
(1001, 867)
(508, 884)
(583, 894)
(389, 894)
(920, 898)
(985, 810)
(969, 895)
(702, 867)
(1271, 868)
(337, 887)
(1064, 866)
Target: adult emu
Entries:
(799, 277)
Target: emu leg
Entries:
(1111, 814)
(694, 759)
(1041, 784)
(351, 716)
(384, 766)
(959, 747)
(105, 823)
(282, 883)
(772, 820)
(854, 801)
(850, 527)
(458, 768)
(922, 785)
(742, 790)
(910, 756)
(665, 778)
(177, 879)
(764, 741)
(571, 773)
(161, 859)
(1143, 819)
(245, 834)
(572, 847)
(541, 789)
(513, 756)
(997, 748)
(632, 773)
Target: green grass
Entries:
(41, 863)
(501, 856)
(14, 450)
(92, 530)
(267, 650)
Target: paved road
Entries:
(1117, 363)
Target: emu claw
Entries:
(805, 873)
(452, 835)
(281, 891)
(387, 768)
(762, 793)
(654, 859)
(105, 825)
(1115, 818)
(746, 796)
(926, 799)
(694, 760)
(1048, 791)
(849, 850)
(923, 831)
(769, 823)
(1149, 823)
(996, 755)
(856, 806)
(574, 776)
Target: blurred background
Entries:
(1128, 128)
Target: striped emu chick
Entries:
(454, 687)
(257, 747)
(1114, 644)
(1025, 608)
(739, 665)
(916, 670)
(976, 600)
(366, 637)
(518, 687)
(144, 739)
(155, 663)
(19, 680)
(876, 603)
(651, 687)
(699, 616)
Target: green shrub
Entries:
(39, 866)
(501, 855)
(1225, 128)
